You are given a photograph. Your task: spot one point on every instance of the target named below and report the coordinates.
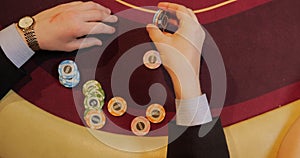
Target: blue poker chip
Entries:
(67, 69)
(70, 83)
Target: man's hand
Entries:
(61, 27)
(181, 51)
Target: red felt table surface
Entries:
(257, 40)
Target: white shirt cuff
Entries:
(192, 112)
(14, 47)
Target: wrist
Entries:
(25, 28)
(186, 86)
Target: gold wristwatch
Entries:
(26, 24)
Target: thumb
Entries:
(155, 33)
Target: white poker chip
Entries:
(152, 59)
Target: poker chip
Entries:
(117, 106)
(71, 82)
(155, 113)
(95, 119)
(140, 126)
(69, 75)
(93, 102)
(91, 86)
(67, 69)
(152, 59)
(94, 95)
(161, 19)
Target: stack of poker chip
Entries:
(93, 103)
(161, 19)
(69, 75)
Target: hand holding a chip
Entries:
(181, 51)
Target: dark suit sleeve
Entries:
(190, 145)
(9, 73)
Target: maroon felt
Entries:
(259, 47)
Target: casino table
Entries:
(257, 42)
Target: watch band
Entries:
(26, 24)
(31, 39)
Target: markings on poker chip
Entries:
(95, 119)
(140, 126)
(161, 19)
(152, 59)
(70, 82)
(67, 69)
(93, 102)
(94, 95)
(69, 75)
(117, 106)
(90, 86)
(155, 113)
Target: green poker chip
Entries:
(90, 86)
(97, 93)
(93, 102)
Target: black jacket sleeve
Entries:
(9, 73)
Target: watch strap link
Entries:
(31, 39)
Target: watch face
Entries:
(25, 22)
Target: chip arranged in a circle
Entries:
(155, 113)
(117, 106)
(152, 59)
(140, 126)
(95, 119)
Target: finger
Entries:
(180, 11)
(96, 15)
(92, 6)
(111, 19)
(98, 28)
(192, 14)
(172, 7)
(84, 43)
(155, 33)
